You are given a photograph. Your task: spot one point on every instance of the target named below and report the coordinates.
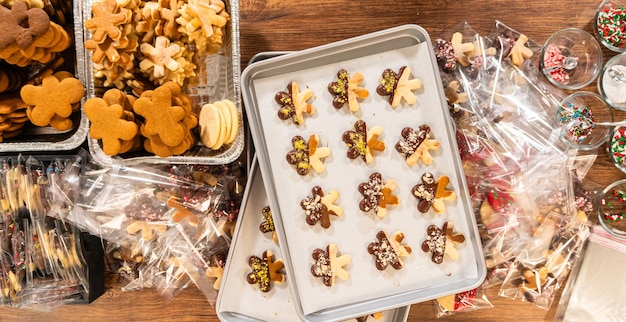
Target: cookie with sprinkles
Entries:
(307, 155)
(265, 271)
(416, 144)
(362, 142)
(319, 207)
(329, 264)
(389, 251)
(267, 225)
(442, 241)
(346, 90)
(377, 194)
(432, 193)
(294, 103)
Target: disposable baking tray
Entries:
(239, 301)
(219, 79)
(44, 139)
(367, 289)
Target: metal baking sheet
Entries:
(222, 73)
(44, 139)
(367, 289)
(239, 301)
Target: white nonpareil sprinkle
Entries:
(615, 91)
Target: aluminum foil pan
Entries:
(45, 138)
(219, 76)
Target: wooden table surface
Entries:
(285, 25)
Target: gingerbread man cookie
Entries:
(147, 229)
(414, 145)
(432, 193)
(265, 271)
(398, 86)
(111, 124)
(307, 155)
(293, 103)
(346, 90)
(362, 142)
(328, 264)
(107, 20)
(389, 251)
(519, 51)
(440, 242)
(182, 211)
(319, 207)
(22, 24)
(377, 195)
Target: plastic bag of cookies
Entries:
(41, 79)
(163, 79)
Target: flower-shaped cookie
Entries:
(293, 104)
(306, 155)
(414, 145)
(328, 264)
(377, 194)
(319, 207)
(398, 86)
(440, 242)
(265, 271)
(362, 142)
(346, 90)
(388, 251)
(432, 193)
(160, 56)
(52, 101)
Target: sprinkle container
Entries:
(611, 209)
(608, 24)
(571, 58)
(578, 116)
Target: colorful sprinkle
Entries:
(618, 145)
(579, 119)
(611, 24)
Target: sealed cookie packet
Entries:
(166, 227)
(543, 267)
(41, 266)
(518, 171)
(462, 302)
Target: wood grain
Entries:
(287, 25)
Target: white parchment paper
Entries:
(353, 231)
(239, 298)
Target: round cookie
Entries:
(210, 123)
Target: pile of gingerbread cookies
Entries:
(150, 51)
(37, 82)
